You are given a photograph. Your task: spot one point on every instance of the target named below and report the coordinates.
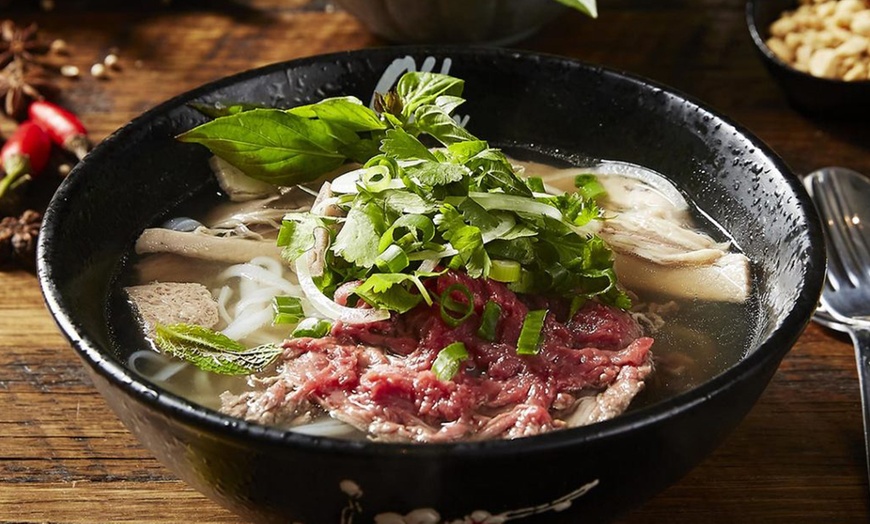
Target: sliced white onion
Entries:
(624, 169)
(429, 254)
(327, 306)
(514, 203)
(504, 225)
(429, 265)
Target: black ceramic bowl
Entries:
(586, 474)
(815, 96)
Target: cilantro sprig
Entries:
(430, 194)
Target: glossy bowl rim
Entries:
(755, 33)
(775, 346)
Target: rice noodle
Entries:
(166, 366)
(246, 304)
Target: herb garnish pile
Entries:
(430, 196)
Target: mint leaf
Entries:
(213, 351)
(273, 146)
(348, 112)
(418, 89)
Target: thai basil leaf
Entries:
(435, 122)
(348, 112)
(419, 89)
(219, 109)
(274, 146)
(588, 7)
(399, 144)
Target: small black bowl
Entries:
(815, 96)
(587, 474)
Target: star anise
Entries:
(20, 43)
(20, 82)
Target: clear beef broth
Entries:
(697, 341)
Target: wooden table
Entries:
(64, 457)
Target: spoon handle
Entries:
(861, 340)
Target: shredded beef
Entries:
(377, 377)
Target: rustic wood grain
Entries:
(65, 458)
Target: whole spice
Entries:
(20, 82)
(63, 127)
(23, 156)
(18, 239)
(17, 43)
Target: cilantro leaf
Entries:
(575, 208)
(357, 241)
(589, 186)
(437, 173)
(392, 291)
(492, 170)
(296, 235)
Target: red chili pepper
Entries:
(24, 155)
(64, 128)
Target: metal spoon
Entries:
(842, 198)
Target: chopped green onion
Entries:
(288, 310)
(536, 184)
(410, 229)
(376, 178)
(505, 271)
(450, 305)
(589, 186)
(530, 335)
(525, 284)
(392, 260)
(285, 234)
(576, 303)
(447, 363)
(489, 321)
(313, 328)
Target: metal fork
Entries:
(842, 198)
